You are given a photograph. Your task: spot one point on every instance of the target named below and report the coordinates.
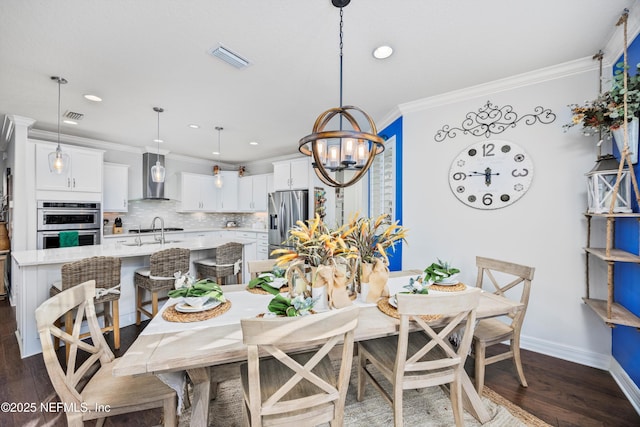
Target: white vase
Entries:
(618, 136)
(321, 293)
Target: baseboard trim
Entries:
(566, 352)
(626, 384)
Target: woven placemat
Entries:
(173, 315)
(389, 310)
(261, 291)
(450, 288)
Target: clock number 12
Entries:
(487, 150)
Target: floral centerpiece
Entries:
(327, 252)
(374, 237)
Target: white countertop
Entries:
(62, 255)
(191, 230)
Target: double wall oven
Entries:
(54, 217)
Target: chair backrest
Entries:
(260, 266)
(228, 253)
(272, 334)
(68, 382)
(166, 262)
(104, 270)
(437, 354)
(509, 275)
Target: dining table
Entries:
(166, 347)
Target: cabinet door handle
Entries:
(124, 203)
(69, 182)
(74, 183)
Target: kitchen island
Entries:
(33, 273)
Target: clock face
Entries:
(491, 174)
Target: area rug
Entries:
(428, 407)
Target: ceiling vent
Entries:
(72, 115)
(229, 57)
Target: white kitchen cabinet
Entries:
(291, 175)
(227, 196)
(262, 250)
(197, 192)
(115, 195)
(252, 193)
(83, 174)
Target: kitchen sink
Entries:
(150, 243)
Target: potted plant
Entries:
(616, 104)
(606, 113)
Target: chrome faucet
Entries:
(138, 237)
(153, 229)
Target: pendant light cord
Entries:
(158, 138)
(59, 92)
(341, 55)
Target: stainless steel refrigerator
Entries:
(285, 208)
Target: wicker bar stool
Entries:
(106, 272)
(227, 262)
(157, 277)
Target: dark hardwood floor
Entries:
(561, 393)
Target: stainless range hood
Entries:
(151, 190)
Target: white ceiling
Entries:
(137, 54)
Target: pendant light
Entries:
(342, 149)
(216, 169)
(157, 170)
(59, 161)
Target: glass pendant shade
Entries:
(58, 161)
(157, 172)
(216, 169)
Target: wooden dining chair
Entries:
(260, 266)
(503, 277)
(86, 382)
(106, 272)
(158, 277)
(425, 358)
(302, 388)
(227, 262)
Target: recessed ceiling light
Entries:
(94, 98)
(159, 141)
(253, 143)
(194, 126)
(70, 122)
(382, 52)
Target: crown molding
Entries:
(510, 83)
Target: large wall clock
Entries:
(491, 174)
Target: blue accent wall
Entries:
(395, 128)
(625, 345)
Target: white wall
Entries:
(546, 228)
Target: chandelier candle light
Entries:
(342, 149)
(58, 161)
(157, 170)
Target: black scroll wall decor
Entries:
(493, 120)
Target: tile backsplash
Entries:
(142, 212)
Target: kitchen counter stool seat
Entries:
(227, 262)
(106, 273)
(157, 277)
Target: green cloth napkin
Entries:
(68, 238)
